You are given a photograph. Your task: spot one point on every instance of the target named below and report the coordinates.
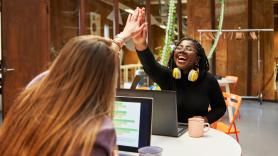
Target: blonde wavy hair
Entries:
(62, 114)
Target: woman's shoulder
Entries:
(106, 138)
(210, 78)
(107, 124)
(37, 78)
(209, 75)
(107, 129)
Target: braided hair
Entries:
(203, 62)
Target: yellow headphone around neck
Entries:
(192, 75)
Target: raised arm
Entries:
(158, 73)
(136, 28)
(132, 28)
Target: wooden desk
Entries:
(213, 143)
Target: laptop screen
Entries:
(165, 119)
(132, 120)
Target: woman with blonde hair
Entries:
(69, 110)
(62, 113)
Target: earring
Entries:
(176, 73)
(193, 75)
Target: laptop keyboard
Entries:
(182, 127)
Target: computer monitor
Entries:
(165, 117)
(132, 120)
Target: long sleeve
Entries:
(158, 73)
(217, 102)
(106, 139)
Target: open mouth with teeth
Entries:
(181, 59)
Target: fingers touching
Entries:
(142, 16)
(142, 31)
(141, 28)
(128, 18)
(136, 27)
(135, 15)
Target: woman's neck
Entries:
(185, 71)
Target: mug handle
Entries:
(207, 126)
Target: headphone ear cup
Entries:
(193, 75)
(176, 73)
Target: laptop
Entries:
(165, 117)
(132, 120)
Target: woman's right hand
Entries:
(140, 39)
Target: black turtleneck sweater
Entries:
(193, 98)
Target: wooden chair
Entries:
(233, 87)
(233, 101)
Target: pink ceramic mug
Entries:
(197, 127)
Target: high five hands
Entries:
(136, 28)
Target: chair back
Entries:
(233, 101)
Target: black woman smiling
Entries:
(187, 74)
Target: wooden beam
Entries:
(148, 13)
(82, 14)
(212, 9)
(116, 28)
(179, 13)
(116, 17)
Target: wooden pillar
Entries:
(179, 13)
(267, 46)
(82, 14)
(148, 13)
(212, 12)
(116, 17)
(263, 17)
(116, 28)
(249, 55)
